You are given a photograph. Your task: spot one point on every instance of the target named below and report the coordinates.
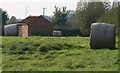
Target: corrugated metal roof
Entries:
(46, 17)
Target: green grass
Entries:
(56, 54)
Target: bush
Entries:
(69, 31)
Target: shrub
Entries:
(69, 31)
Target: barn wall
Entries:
(40, 26)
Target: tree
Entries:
(71, 19)
(3, 19)
(88, 13)
(119, 24)
(12, 20)
(110, 17)
(0, 22)
(60, 16)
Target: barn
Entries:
(31, 26)
(38, 25)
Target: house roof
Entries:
(35, 17)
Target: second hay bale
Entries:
(57, 33)
(102, 35)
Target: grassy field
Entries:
(56, 54)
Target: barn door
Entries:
(24, 30)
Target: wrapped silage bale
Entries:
(10, 30)
(102, 35)
(57, 33)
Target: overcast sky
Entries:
(23, 8)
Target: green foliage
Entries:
(12, 20)
(60, 16)
(69, 31)
(60, 54)
(3, 20)
(0, 22)
(110, 17)
(88, 13)
(71, 19)
(119, 24)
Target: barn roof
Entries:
(37, 17)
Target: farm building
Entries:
(30, 26)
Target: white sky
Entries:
(18, 8)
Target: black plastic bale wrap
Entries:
(102, 35)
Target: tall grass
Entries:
(56, 54)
